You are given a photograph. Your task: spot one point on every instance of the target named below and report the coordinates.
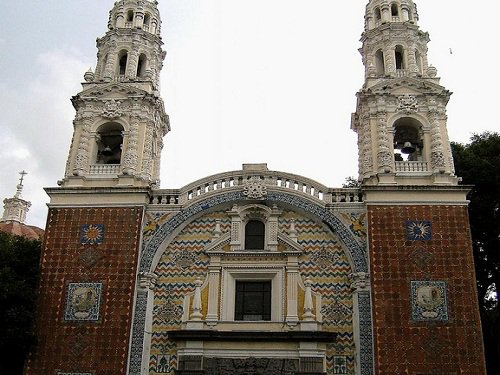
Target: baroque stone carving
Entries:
(254, 188)
(147, 280)
(359, 280)
(250, 366)
(407, 104)
(111, 109)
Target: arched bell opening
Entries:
(408, 140)
(395, 12)
(141, 66)
(378, 16)
(130, 18)
(400, 58)
(146, 22)
(109, 144)
(122, 62)
(380, 63)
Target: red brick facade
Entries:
(106, 256)
(404, 345)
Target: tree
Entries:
(19, 272)
(478, 163)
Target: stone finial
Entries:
(196, 309)
(89, 75)
(308, 302)
(217, 231)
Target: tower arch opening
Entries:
(109, 139)
(122, 62)
(395, 12)
(408, 140)
(399, 53)
(379, 62)
(130, 18)
(378, 15)
(146, 22)
(141, 65)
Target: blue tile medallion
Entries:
(429, 301)
(418, 230)
(92, 234)
(83, 302)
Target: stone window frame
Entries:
(252, 273)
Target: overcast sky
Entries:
(244, 81)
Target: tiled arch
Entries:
(357, 253)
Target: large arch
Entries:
(356, 252)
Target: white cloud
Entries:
(38, 127)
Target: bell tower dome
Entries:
(401, 111)
(120, 118)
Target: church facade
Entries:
(257, 271)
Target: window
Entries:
(254, 235)
(147, 19)
(399, 54)
(379, 62)
(394, 10)
(141, 66)
(253, 300)
(378, 15)
(122, 62)
(130, 16)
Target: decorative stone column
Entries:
(292, 277)
(147, 153)
(131, 153)
(82, 154)
(412, 61)
(213, 290)
(390, 61)
(405, 13)
(385, 158)
(235, 228)
(437, 150)
(133, 58)
(109, 70)
(362, 321)
(144, 302)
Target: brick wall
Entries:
(426, 319)
(86, 291)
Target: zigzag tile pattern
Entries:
(324, 261)
(175, 280)
(326, 264)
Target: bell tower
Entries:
(120, 118)
(400, 117)
(420, 253)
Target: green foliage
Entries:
(478, 163)
(351, 182)
(19, 272)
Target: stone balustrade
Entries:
(411, 166)
(236, 181)
(104, 169)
